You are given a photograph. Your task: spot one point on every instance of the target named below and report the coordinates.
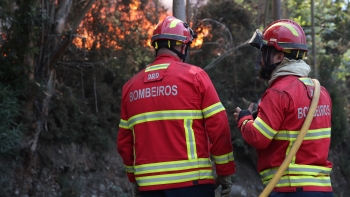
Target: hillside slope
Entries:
(73, 170)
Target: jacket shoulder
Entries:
(192, 68)
(285, 82)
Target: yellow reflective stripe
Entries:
(223, 159)
(174, 23)
(172, 166)
(288, 26)
(124, 124)
(213, 109)
(129, 169)
(190, 139)
(288, 150)
(287, 50)
(174, 178)
(306, 81)
(264, 129)
(165, 115)
(157, 67)
(313, 134)
(299, 181)
(297, 169)
(246, 121)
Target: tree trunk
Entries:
(188, 11)
(267, 4)
(277, 10)
(314, 65)
(52, 46)
(179, 9)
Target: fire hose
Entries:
(297, 142)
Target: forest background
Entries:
(63, 64)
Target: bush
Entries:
(10, 134)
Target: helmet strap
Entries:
(180, 55)
(169, 44)
(265, 73)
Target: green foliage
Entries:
(10, 130)
(225, 20)
(236, 69)
(235, 76)
(10, 134)
(340, 124)
(79, 118)
(328, 69)
(86, 105)
(20, 29)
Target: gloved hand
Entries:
(226, 184)
(255, 114)
(135, 190)
(241, 113)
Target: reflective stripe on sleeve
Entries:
(129, 169)
(124, 124)
(213, 109)
(223, 159)
(264, 129)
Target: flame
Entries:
(200, 37)
(87, 40)
(135, 5)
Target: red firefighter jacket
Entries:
(281, 114)
(172, 121)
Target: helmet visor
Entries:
(257, 39)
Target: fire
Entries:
(87, 40)
(200, 37)
(135, 5)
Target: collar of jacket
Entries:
(167, 56)
(290, 67)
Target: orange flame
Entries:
(200, 37)
(86, 40)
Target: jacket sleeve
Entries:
(260, 132)
(125, 144)
(217, 127)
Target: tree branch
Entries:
(66, 41)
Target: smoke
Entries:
(168, 4)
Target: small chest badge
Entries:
(155, 72)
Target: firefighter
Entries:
(281, 114)
(173, 124)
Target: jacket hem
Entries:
(176, 185)
(304, 188)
